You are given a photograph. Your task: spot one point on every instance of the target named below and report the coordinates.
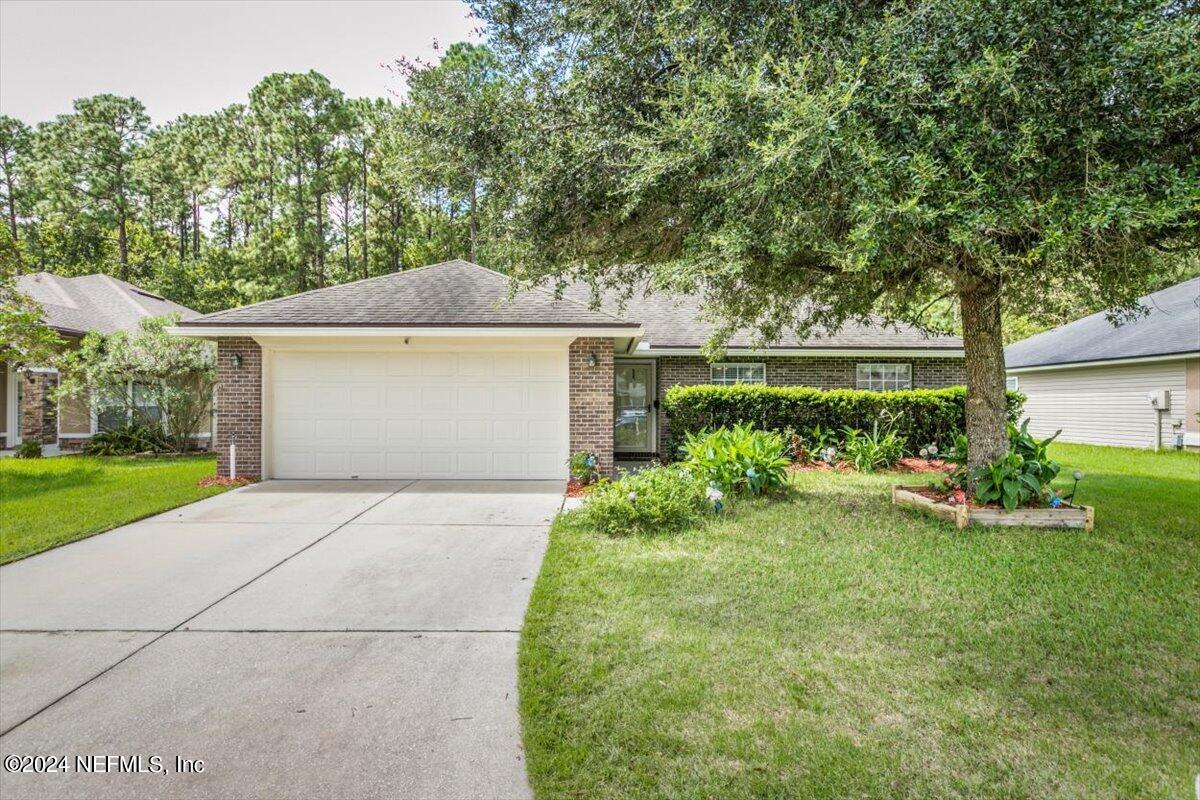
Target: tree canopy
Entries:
(805, 164)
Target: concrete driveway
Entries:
(301, 638)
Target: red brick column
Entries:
(38, 413)
(591, 399)
(239, 406)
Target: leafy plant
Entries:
(128, 439)
(1020, 477)
(653, 500)
(584, 467)
(871, 451)
(738, 458)
(28, 449)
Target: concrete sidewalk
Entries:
(302, 639)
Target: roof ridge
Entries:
(551, 295)
(324, 288)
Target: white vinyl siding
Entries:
(1104, 404)
(730, 374)
(496, 413)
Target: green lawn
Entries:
(830, 645)
(46, 502)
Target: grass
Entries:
(831, 645)
(47, 502)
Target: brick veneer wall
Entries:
(818, 372)
(591, 399)
(239, 406)
(39, 413)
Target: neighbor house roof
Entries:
(450, 294)
(1170, 326)
(94, 302)
(676, 322)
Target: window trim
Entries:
(869, 365)
(727, 364)
(1015, 382)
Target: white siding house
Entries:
(1109, 404)
(1131, 385)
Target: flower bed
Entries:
(930, 500)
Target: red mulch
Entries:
(214, 480)
(922, 465)
(820, 466)
(575, 488)
(911, 465)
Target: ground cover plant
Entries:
(830, 645)
(52, 501)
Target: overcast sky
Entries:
(197, 57)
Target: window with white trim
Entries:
(137, 405)
(729, 374)
(1011, 383)
(883, 377)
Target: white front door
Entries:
(634, 424)
(495, 413)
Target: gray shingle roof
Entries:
(1171, 325)
(676, 322)
(94, 302)
(459, 293)
(449, 294)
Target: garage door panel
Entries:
(472, 431)
(419, 414)
(436, 399)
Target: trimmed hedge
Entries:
(922, 416)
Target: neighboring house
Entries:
(1133, 385)
(439, 372)
(73, 307)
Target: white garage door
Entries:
(418, 414)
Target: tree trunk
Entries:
(987, 404)
(195, 226)
(320, 252)
(473, 224)
(366, 237)
(123, 246)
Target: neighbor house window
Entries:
(1010, 383)
(883, 377)
(729, 374)
(136, 406)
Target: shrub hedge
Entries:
(921, 416)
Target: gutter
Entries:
(1105, 362)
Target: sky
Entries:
(197, 57)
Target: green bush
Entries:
(737, 459)
(30, 449)
(1019, 478)
(871, 451)
(654, 500)
(920, 416)
(584, 467)
(128, 439)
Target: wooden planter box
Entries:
(1064, 517)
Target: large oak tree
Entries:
(803, 164)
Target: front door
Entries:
(633, 407)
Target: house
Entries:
(1134, 385)
(73, 307)
(442, 372)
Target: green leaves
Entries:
(737, 459)
(1021, 477)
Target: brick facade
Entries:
(818, 372)
(239, 406)
(591, 399)
(39, 413)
